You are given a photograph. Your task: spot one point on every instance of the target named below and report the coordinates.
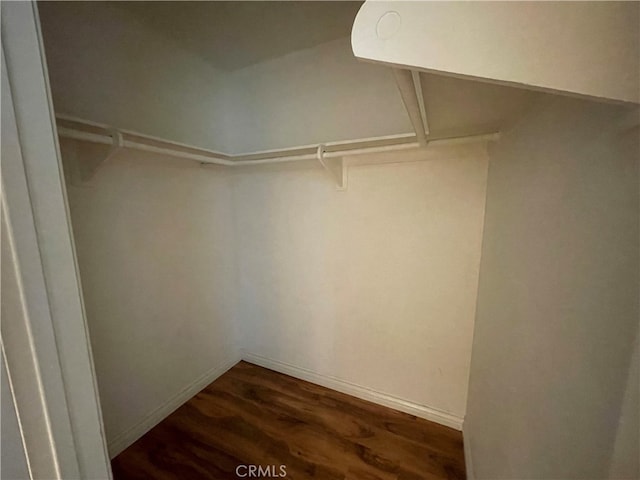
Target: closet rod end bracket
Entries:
(335, 167)
(118, 143)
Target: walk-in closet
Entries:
(326, 239)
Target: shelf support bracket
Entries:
(335, 167)
(415, 76)
(92, 160)
(411, 92)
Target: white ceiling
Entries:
(233, 35)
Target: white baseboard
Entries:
(467, 455)
(129, 436)
(359, 391)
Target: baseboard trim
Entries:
(359, 391)
(466, 441)
(129, 436)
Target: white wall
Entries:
(376, 285)
(107, 66)
(316, 95)
(557, 306)
(154, 239)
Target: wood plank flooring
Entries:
(254, 416)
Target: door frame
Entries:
(45, 339)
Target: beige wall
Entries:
(155, 249)
(557, 306)
(374, 286)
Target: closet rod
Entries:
(485, 137)
(331, 154)
(411, 94)
(108, 140)
(337, 149)
(108, 129)
(397, 138)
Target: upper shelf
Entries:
(583, 48)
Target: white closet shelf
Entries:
(327, 154)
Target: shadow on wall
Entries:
(558, 297)
(154, 241)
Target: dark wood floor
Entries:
(252, 415)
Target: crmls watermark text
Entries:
(261, 471)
